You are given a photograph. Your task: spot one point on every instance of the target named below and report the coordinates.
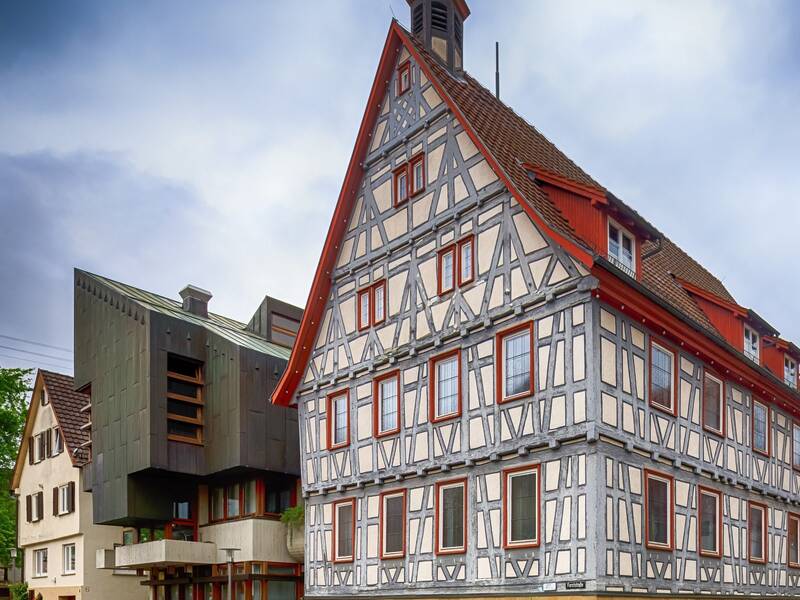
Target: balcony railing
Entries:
(622, 266)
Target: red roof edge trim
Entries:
(582, 254)
(717, 354)
(596, 195)
(320, 286)
(739, 311)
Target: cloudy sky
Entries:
(205, 142)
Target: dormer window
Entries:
(621, 248)
(751, 344)
(790, 372)
(403, 78)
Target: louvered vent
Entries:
(459, 31)
(438, 16)
(417, 19)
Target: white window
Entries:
(58, 441)
(40, 562)
(621, 248)
(751, 344)
(388, 399)
(790, 372)
(344, 526)
(445, 371)
(68, 558)
(796, 445)
(662, 377)
(64, 499)
(709, 506)
(417, 175)
(339, 408)
(364, 311)
(40, 447)
(516, 374)
(466, 265)
(37, 506)
(713, 404)
(450, 517)
(393, 524)
(658, 510)
(379, 294)
(521, 490)
(372, 305)
(447, 260)
(760, 427)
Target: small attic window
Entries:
(751, 344)
(403, 78)
(790, 371)
(621, 248)
(43, 397)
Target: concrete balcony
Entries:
(258, 539)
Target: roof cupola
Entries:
(439, 25)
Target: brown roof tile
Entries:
(67, 404)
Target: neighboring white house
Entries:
(54, 522)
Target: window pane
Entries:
(250, 497)
(402, 187)
(466, 261)
(379, 300)
(447, 386)
(388, 404)
(363, 301)
(452, 517)
(447, 271)
(344, 531)
(661, 373)
(755, 523)
(517, 363)
(280, 590)
(794, 547)
(183, 409)
(218, 504)
(175, 386)
(233, 500)
(712, 403)
(418, 179)
(708, 522)
(340, 420)
(760, 427)
(522, 507)
(796, 444)
(393, 527)
(658, 511)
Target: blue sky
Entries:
(205, 142)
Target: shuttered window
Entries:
(184, 400)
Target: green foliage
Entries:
(294, 515)
(14, 386)
(19, 591)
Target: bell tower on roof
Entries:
(439, 25)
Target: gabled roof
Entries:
(66, 403)
(227, 328)
(512, 147)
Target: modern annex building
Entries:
(510, 383)
(187, 455)
(54, 521)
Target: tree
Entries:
(14, 388)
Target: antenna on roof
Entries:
(391, 10)
(497, 69)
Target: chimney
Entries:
(195, 300)
(439, 25)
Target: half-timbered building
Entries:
(510, 383)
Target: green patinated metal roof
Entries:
(225, 327)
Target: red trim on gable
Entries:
(320, 286)
(594, 194)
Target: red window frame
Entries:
(796, 518)
(499, 339)
(376, 404)
(432, 379)
(718, 495)
(675, 391)
(670, 514)
(795, 424)
(468, 240)
(369, 293)
(330, 417)
(764, 532)
(381, 523)
(335, 553)
(413, 190)
(397, 200)
(768, 431)
(507, 474)
(722, 404)
(454, 248)
(403, 69)
(438, 550)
